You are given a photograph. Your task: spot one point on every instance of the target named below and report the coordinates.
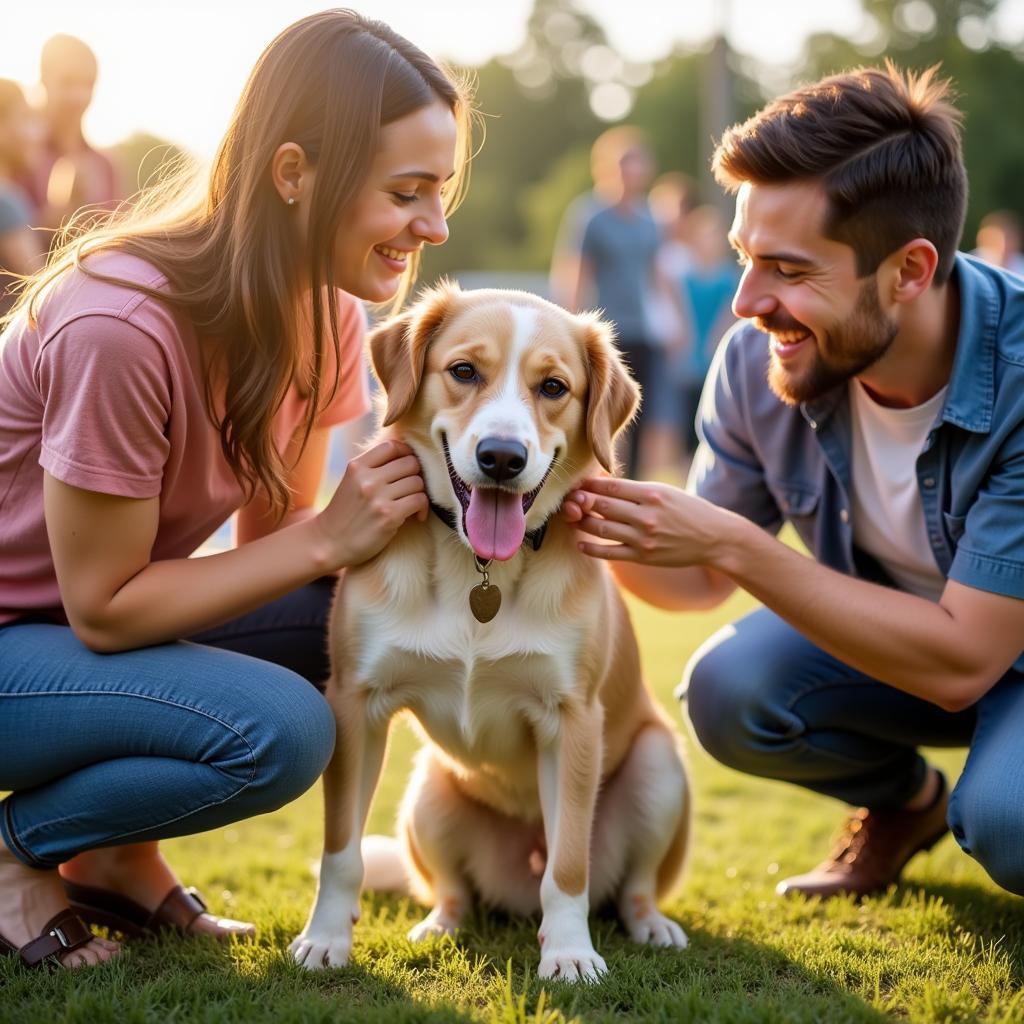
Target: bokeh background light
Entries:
(174, 68)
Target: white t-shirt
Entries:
(888, 520)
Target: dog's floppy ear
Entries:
(398, 349)
(613, 395)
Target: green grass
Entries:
(946, 945)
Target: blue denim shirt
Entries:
(772, 462)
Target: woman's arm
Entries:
(116, 598)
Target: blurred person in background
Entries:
(999, 240)
(673, 197)
(707, 286)
(69, 173)
(20, 248)
(182, 361)
(606, 256)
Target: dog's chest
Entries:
(485, 694)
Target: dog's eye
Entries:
(553, 388)
(465, 372)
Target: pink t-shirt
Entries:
(106, 394)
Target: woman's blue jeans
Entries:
(766, 701)
(103, 749)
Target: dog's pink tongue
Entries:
(495, 522)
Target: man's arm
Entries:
(948, 653)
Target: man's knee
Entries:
(717, 691)
(988, 823)
(736, 693)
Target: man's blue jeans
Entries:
(102, 749)
(766, 701)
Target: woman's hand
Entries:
(380, 490)
(650, 523)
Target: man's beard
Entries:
(854, 345)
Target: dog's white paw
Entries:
(581, 964)
(655, 929)
(316, 952)
(434, 926)
(647, 925)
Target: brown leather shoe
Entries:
(873, 849)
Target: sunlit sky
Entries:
(176, 67)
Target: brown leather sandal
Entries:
(62, 933)
(177, 913)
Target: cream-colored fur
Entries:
(549, 780)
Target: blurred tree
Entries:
(536, 106)
(546, 103)
(145, 159)
(525, 135)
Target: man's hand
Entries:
(650, 523)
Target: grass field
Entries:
(946, 945)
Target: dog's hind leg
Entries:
(640, 836)
(456, 847)
(432, 833)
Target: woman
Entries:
(165, 370)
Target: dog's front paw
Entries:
(581, 964)
(315, 951)
(435, 925)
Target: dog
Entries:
(549, 779)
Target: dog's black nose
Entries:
(501, 459)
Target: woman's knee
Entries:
(988, 823)
(293, 739)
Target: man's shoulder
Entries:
(991, 315)
(595, 214)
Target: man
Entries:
(874, 399)
(20, 250)
(70, 173)
(999, 240)
(606, 255)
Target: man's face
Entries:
(824, 324)
(636, 168)
(69, 87)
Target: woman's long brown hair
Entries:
(226, 243)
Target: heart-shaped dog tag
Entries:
(484, 601)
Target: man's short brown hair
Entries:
(884, 145)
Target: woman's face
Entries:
(399, 208)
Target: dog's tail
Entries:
(384, 869)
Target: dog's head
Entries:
(507, 400)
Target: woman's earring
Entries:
(291, 200)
